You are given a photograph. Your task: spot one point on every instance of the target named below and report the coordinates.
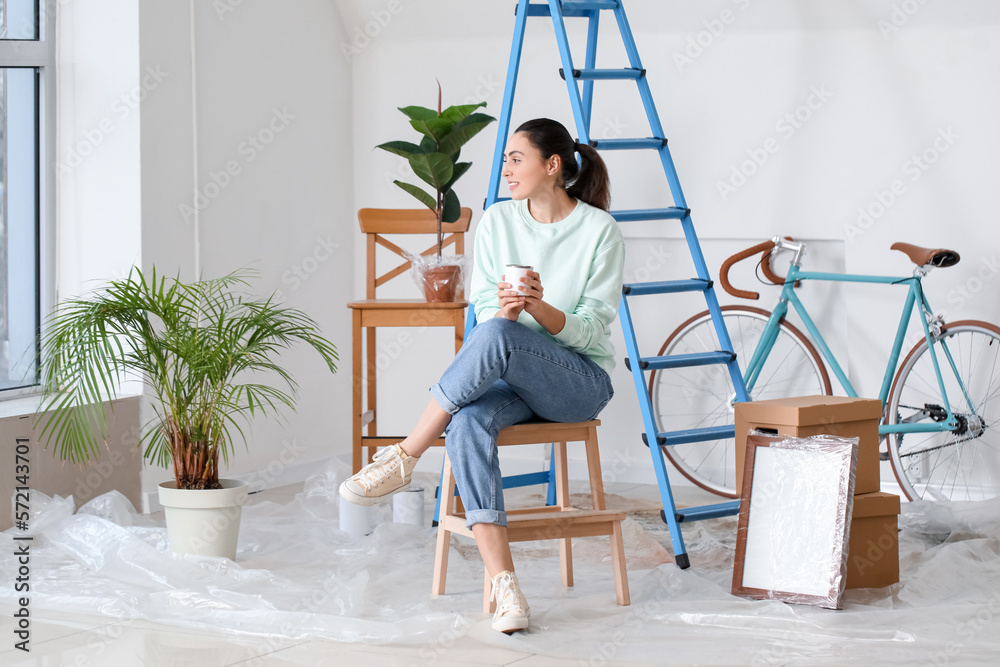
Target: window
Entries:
(27, 56)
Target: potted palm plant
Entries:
(199, 349)
(435, 161)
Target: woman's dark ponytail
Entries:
(586, 180)
(592, 184)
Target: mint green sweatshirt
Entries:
(579, 260)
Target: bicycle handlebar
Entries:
(765, 249)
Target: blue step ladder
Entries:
(581, 99)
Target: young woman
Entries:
(541, 348)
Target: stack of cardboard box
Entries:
(873, 549)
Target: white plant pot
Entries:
(205, 522)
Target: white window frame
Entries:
(41, 54)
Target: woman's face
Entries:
(525, 170)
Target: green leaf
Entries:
(461, 134)
(457, 113)
(428, 145)
(419, 113)
(425, 199)
(460, 169)
(435, 128)
(476, 118)
(435, 169)
(452, 209)
(403, 148)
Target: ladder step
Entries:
(683, 360)
(636, 214)
(655, 143)
(667, 287)
(605, 74)
(693, 435)
(707, 511)
(573, 7)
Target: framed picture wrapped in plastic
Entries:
(795, 514)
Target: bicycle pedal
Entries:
(883, 456)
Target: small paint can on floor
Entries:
(356, 519)
(408, 507)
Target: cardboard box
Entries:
(813, 415)
(873, 545)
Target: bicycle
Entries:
(940, 404)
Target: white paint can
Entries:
(408, 507)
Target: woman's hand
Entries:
(529, 299)
(511, 304)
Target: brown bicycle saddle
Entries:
(939, 257)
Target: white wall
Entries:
(246, 163)
(886, 94)
(291, 211)
(247, 104)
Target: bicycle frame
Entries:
(915, 295)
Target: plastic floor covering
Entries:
(298, 576)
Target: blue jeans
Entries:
(505, 374)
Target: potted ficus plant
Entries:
(199, 348)
(435, 161)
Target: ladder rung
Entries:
(667, 287)
(632, 215)
(693, 435)
(686, 360)
(605, 74)
(707, 511)
(628, 144)
(573, 7)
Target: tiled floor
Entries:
(79, 640)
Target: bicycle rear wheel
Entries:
(703, 396)
(949, 465)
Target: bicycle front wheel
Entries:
(703, 396)
(963, 464)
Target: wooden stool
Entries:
(561, 521)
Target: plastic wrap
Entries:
(795, 519)
(297, 576)
(440, 280)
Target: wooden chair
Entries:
(561, 522)
(371, 313)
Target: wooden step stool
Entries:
(560, 521)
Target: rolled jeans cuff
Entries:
(443, 400)
(472, 517)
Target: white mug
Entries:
(512, 274)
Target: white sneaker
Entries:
(388, 473)
(512, 609)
